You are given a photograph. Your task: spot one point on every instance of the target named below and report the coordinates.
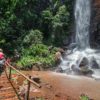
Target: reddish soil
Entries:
(6, 90)
(56, 86)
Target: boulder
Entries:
(58, 58)
(85, 69)
(84, 65)
(84, 62)
(61, 50)
(94, 64)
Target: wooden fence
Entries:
(30, 81)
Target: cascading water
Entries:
(81, 52)
(82, 19)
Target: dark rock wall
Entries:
(95, 24)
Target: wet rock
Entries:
(59, 69)
(58, 58)
(73, 67)
(84, 69)
(84, 65)
(84, 62)
(76, 70)
(94, 64)
(57, 55)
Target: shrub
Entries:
(37, 54)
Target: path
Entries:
(6, 90)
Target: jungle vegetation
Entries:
(32, 26)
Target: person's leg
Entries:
(1, 66)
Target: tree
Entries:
(60, 24)
(19, 17)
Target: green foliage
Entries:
(19, 17)
(60, 24)
(46, 22)
(28, 61)
(33, 37)
(47, 16)
(34, 24)
(37, 54)
(84, 97)
(61, 18)
(36, 50)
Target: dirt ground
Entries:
(58, 86)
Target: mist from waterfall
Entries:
(81, 48)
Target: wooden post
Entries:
(10, 73)
(28, 90)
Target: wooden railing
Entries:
(7, 65)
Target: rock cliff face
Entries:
(95, 24)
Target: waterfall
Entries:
(80, 56)
(82, 19)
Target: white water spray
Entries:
(71, 62)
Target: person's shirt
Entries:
(1, 56)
